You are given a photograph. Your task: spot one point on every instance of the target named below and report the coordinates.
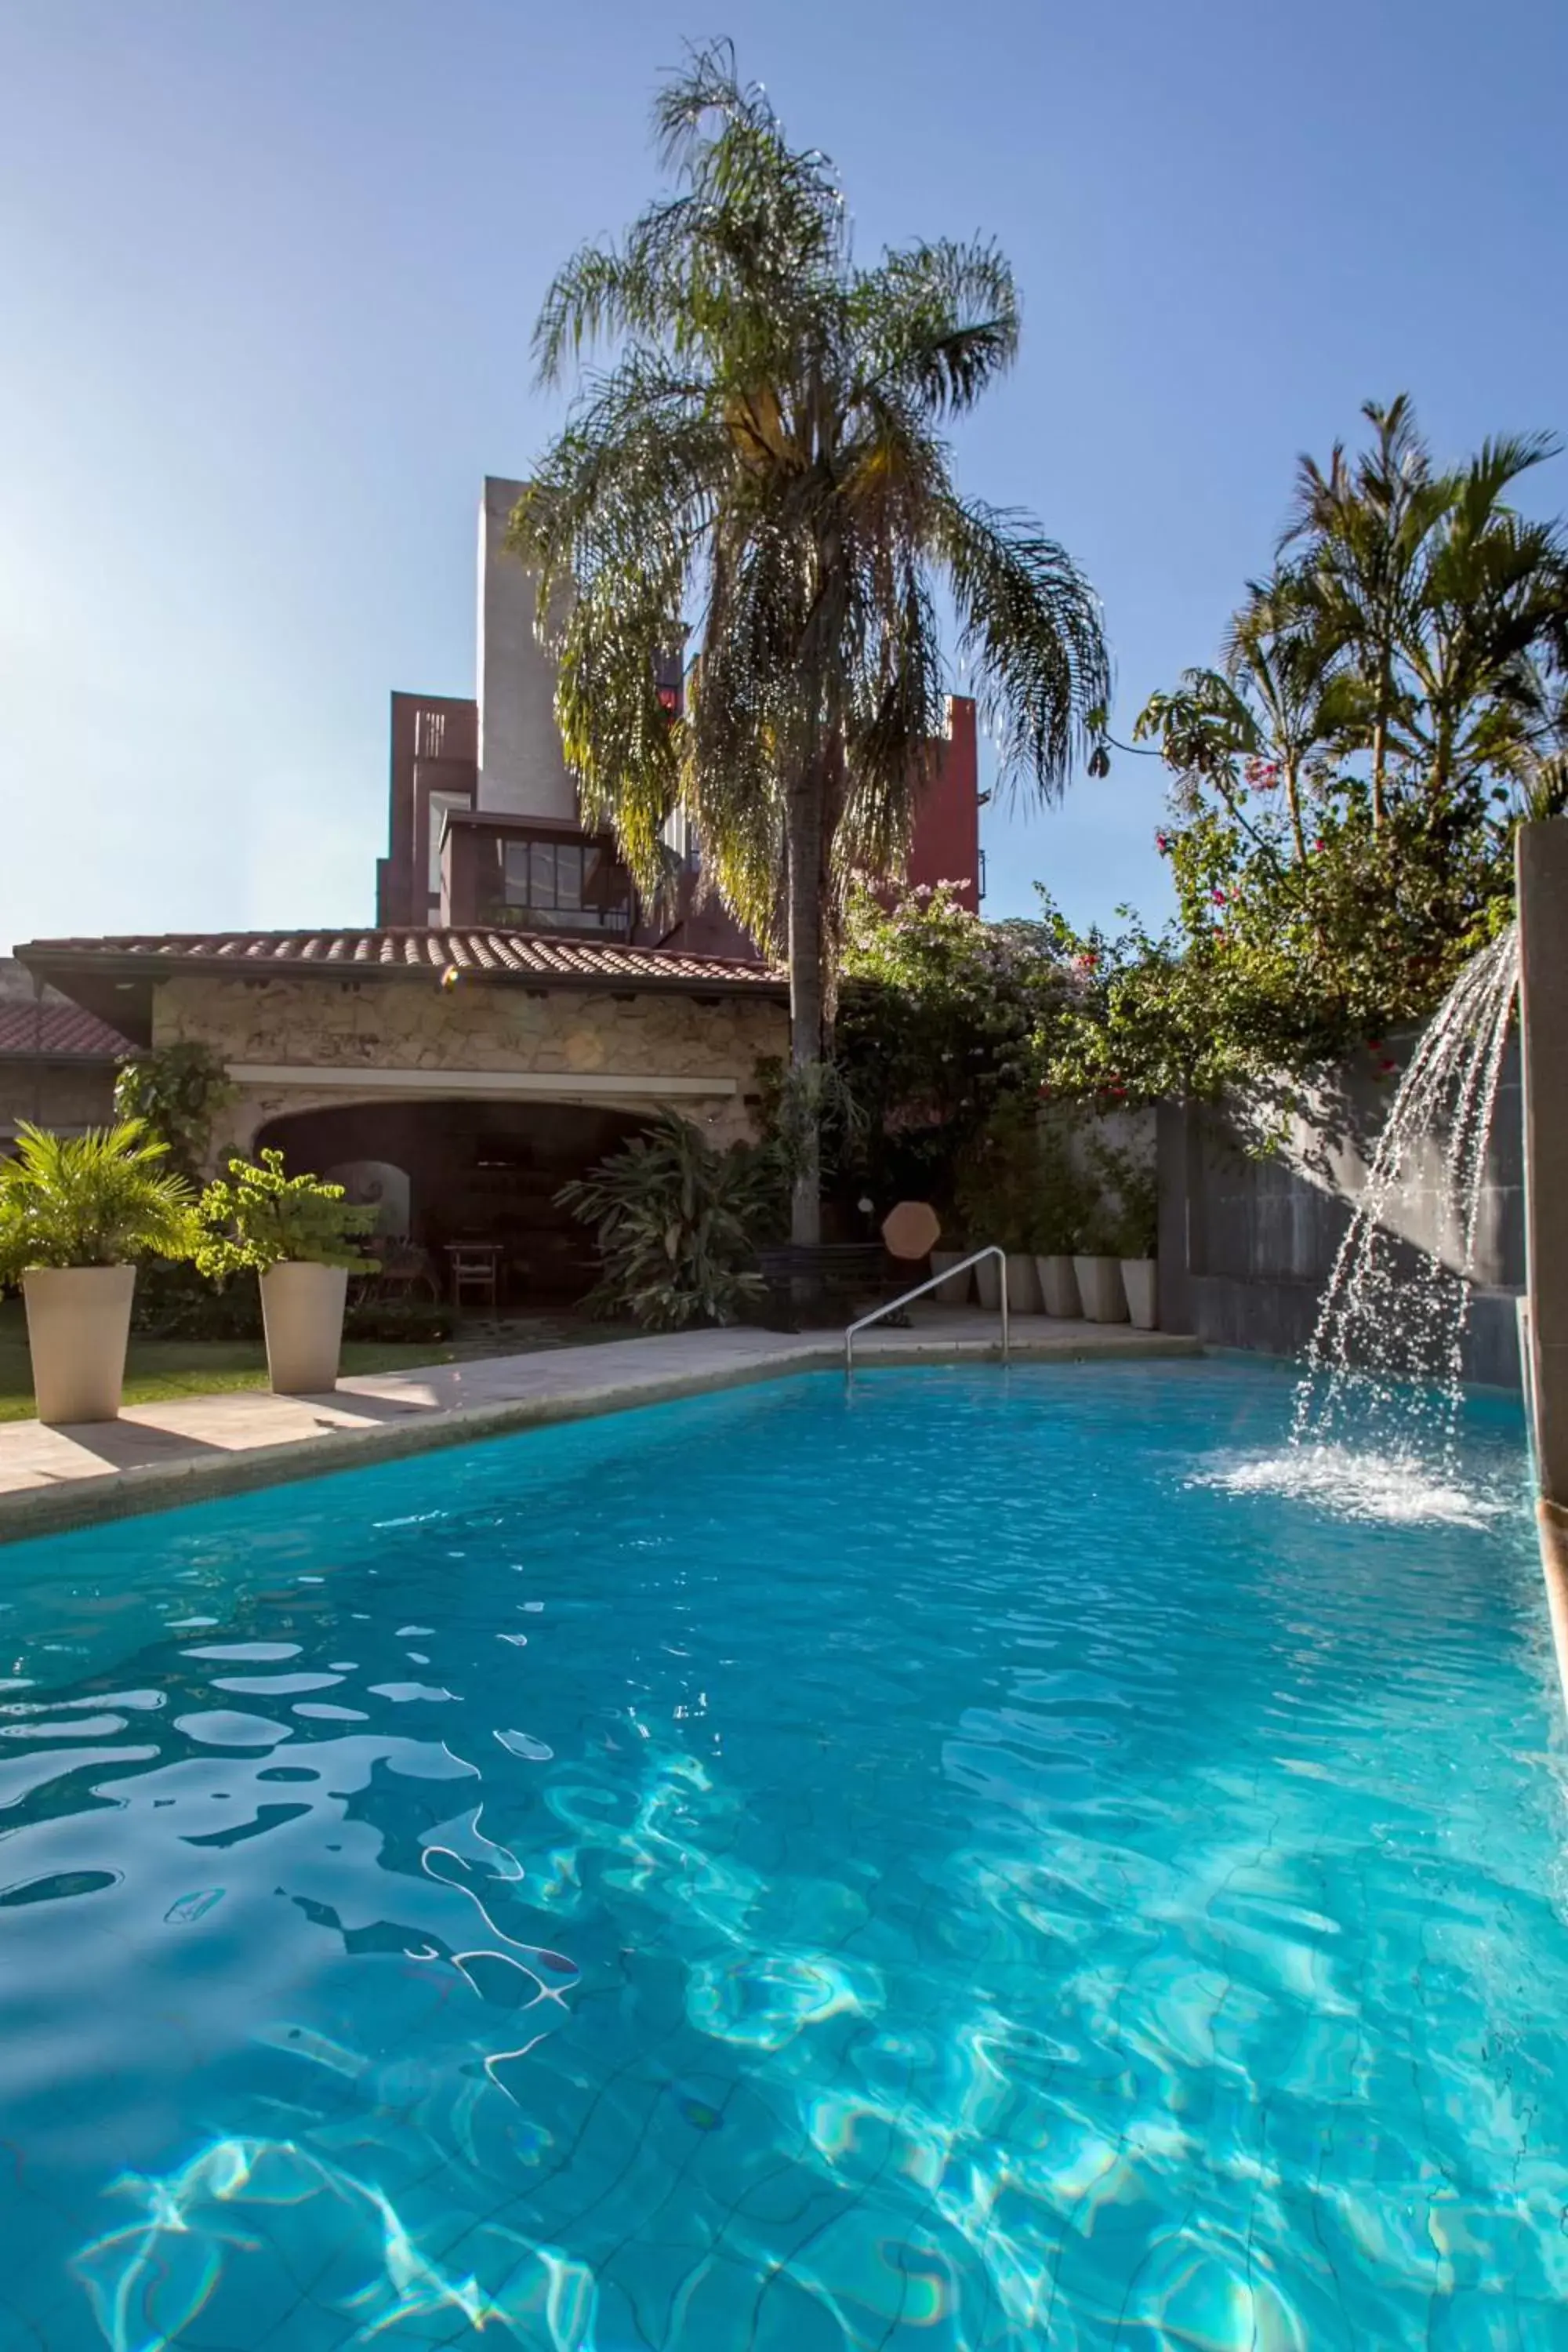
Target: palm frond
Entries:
(1030, 625)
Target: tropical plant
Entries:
(766, 448)
(1436, 596)
(677, 1222)
(1279, 705)
(257, 1218)
(99, 1198)
(1346, 788)
(177, 1092)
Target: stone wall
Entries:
(1248, 1236)
(412, 1023)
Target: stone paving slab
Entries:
(189, 1447)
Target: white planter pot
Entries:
(954, 1291)
(988, 1284)
(1023, 1284)
(1101, 1287)
(78, 1321)
(1138, 1280)
(1058, 1286)
(302, 1314)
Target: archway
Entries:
(474, 1171)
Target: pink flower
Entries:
(1219, 897)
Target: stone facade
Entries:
(566, 1037)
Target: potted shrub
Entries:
(76, 1212)
(1058, 1226)
(1139, 1190)
(1097, 1266)
(954, 1291)
(296, 1235)
(1131, 1217)
(997, 1195)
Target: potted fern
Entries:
(76, 1213)
(297, 1235)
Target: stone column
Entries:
(1541, 867)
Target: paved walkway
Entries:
(156, 1454)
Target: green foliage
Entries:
(769, 446)
(97, 1199)
(678, 1222)
(177, 1093)
(1064, 1199)
(1345, 788)
(810, 1114)
(936, 1028)
(1125, 1219)
(177, 1302)
(997, 1196)
(257, 1217)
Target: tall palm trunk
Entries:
(1293, 801)
(1380, 731)
(806, 992)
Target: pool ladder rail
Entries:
(892, 1305)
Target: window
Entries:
(563, 886)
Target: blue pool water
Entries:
(968, 1862)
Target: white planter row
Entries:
(1087, 1289)
(79, 1326)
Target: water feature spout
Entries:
(1386, 1359)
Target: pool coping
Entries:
(58, 1504)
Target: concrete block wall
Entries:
(1248, 1237)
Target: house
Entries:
(483, 824)
(457, 1077)
(516, 1012)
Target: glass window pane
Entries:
(516, 872)
(541, 874)
(568, 876)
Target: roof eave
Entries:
(65, 969)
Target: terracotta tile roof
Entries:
(500, 955)
(61, 1031)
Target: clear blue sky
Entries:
(267, 270)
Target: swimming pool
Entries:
(946, 1863)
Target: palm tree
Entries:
(1434, 591)
(1493, 618)
(1281, 700)
(765, 446)
(1364, 526)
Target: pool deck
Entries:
(156, 1455)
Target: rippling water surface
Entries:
(943, 1865)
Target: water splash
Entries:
(1386, 1359)
(1381, 1486)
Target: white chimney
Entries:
(521, 771)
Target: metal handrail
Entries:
(892, 1305)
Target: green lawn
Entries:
(176, 1368)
